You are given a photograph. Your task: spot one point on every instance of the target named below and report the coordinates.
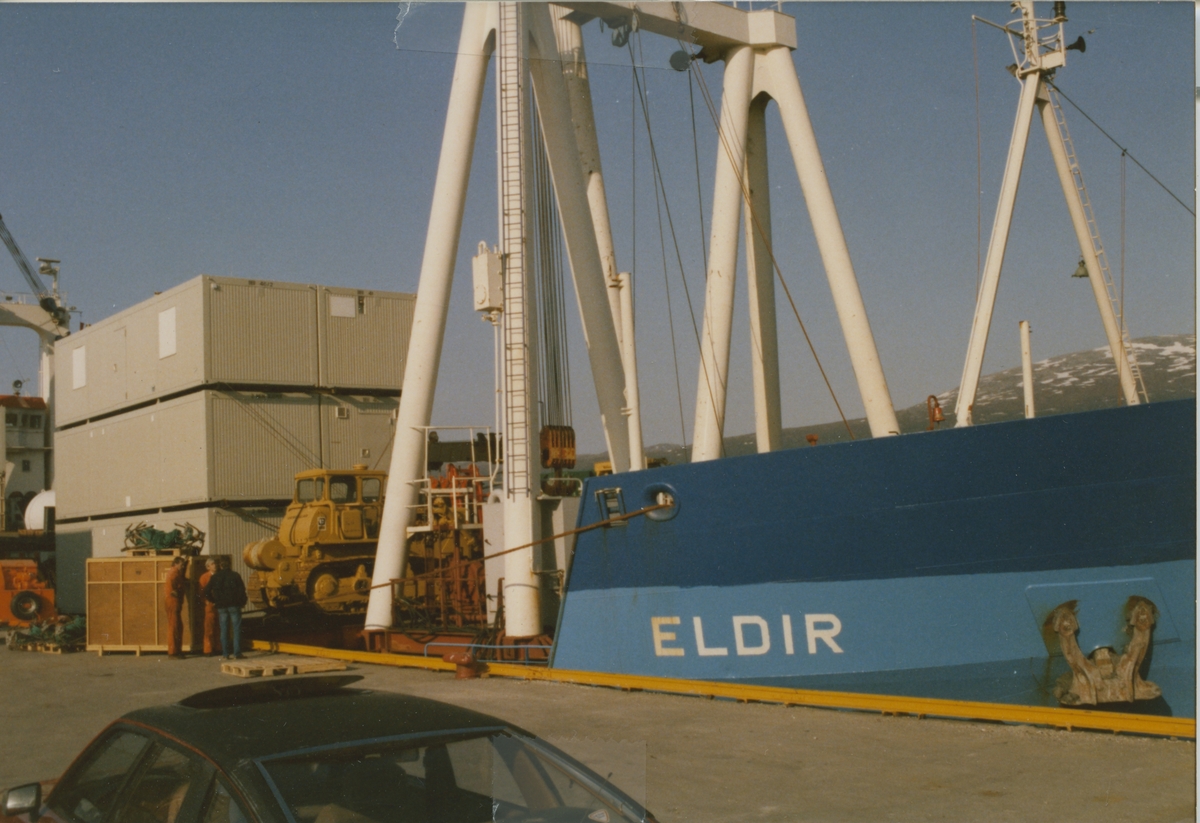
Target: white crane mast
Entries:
(539, 46)
(1041, 52)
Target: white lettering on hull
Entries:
(825, 635)
(701, 649)
(661, 637)
(817, 627)
(740, 622)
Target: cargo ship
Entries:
(1045, 561)
(924, 565)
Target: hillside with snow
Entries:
(1085, 380)
(1080, 381)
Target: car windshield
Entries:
(496, 776)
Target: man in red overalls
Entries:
(176, 589)
(212, 631)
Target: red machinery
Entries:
(25, 596)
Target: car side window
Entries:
(158, 790)
(222, 806)
(87, 795)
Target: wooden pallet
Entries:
(281, 667)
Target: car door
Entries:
(167, 786)
(132, 776)
(89, 790)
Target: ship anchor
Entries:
(1103, 677)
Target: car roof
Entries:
(253, 720)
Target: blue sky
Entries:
(145, 144)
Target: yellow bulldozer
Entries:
(325, 550)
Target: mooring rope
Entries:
(599, 524)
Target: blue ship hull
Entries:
(922, 565)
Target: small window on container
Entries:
(26, 466)
(11, 419)
(35, 421)
(372, 489)
(310, 490)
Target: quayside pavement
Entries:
(690, 759)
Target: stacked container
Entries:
(202, 403)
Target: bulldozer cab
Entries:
(339, 487)
(336, 505)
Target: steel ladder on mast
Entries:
(512, 220)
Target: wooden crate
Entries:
(126, 604)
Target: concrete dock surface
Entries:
(689, 759)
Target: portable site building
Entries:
(209, 398)
(211, 446)
(225, 332)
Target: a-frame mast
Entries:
(1038, 58)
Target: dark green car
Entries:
(311, 750)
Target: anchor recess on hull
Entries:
(1103, 676)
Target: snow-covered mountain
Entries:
(1084, 380)
(1074, 382)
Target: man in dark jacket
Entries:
(227, 592)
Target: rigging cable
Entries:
(662, 242)
(289, 441)
(978, 171)
(1121, 304)
(658, 178)
(662, 245)
(1124, 151)
(762, 233)
(696, 155)
(553, 377)
(633, 160)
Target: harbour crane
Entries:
(49, 318)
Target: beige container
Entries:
(212, 446)
(357, 430)
(229, 332)
(202, 447)
(363, 338)
(209, 330)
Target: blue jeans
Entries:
(231, 630)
